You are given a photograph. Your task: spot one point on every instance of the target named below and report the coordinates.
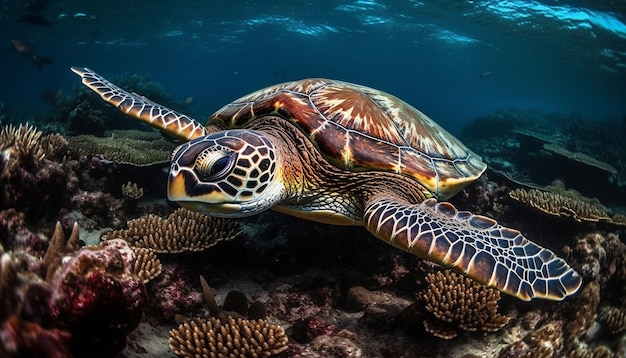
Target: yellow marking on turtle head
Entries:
(278, 104)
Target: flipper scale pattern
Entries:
(162, 118)
(475, 246)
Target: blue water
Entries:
(549, 56)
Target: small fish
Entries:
(51, 96)
(485, 74)
(40, 61)
(189, 100)
(34, 19)
(29, 51)
(23, 48)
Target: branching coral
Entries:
(125, 147)
(454, 302)
(53, 144)
(131, 192)
(545, 342)
(227, 333)
(20, 146)
(614, 319)
(183, 230)
(233, 338)
(146, 264)
(583, 351)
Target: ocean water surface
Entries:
(454, 60)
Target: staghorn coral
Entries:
(137, 148)
(580, 158)
(146, 264)
(183, 230)
(232, 338)
(20, 146)
(454, 302)
(573, 206)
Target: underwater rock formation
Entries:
(31, 183)
(71, 302)
(97, 297)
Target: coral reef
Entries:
(455, 302)
(72, 301)
(584, 351)
(131, 191)
(571, 205)
(227, 333)
(132, 147)
(20, 147)
(97, 298)
(181, 231)
(614, 319)
(31, 184)
(585, 159)
(146, 264)
(545, 342)
(233, 338)
(85, 113)
(535, 149)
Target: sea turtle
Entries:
(340, 153)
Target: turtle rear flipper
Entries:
(176, 124)
(475, 246)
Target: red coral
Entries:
(173, 294)
(98, 299)
(26, 339)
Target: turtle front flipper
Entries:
(475, 246)
(162, 118)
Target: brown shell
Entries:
(359, 128)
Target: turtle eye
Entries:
(214, 165)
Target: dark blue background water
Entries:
(551, 56)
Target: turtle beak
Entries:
(176, 188)
(176, 191)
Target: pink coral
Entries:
(98, 299)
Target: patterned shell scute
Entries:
(359, 128)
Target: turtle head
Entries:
(230, 173)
